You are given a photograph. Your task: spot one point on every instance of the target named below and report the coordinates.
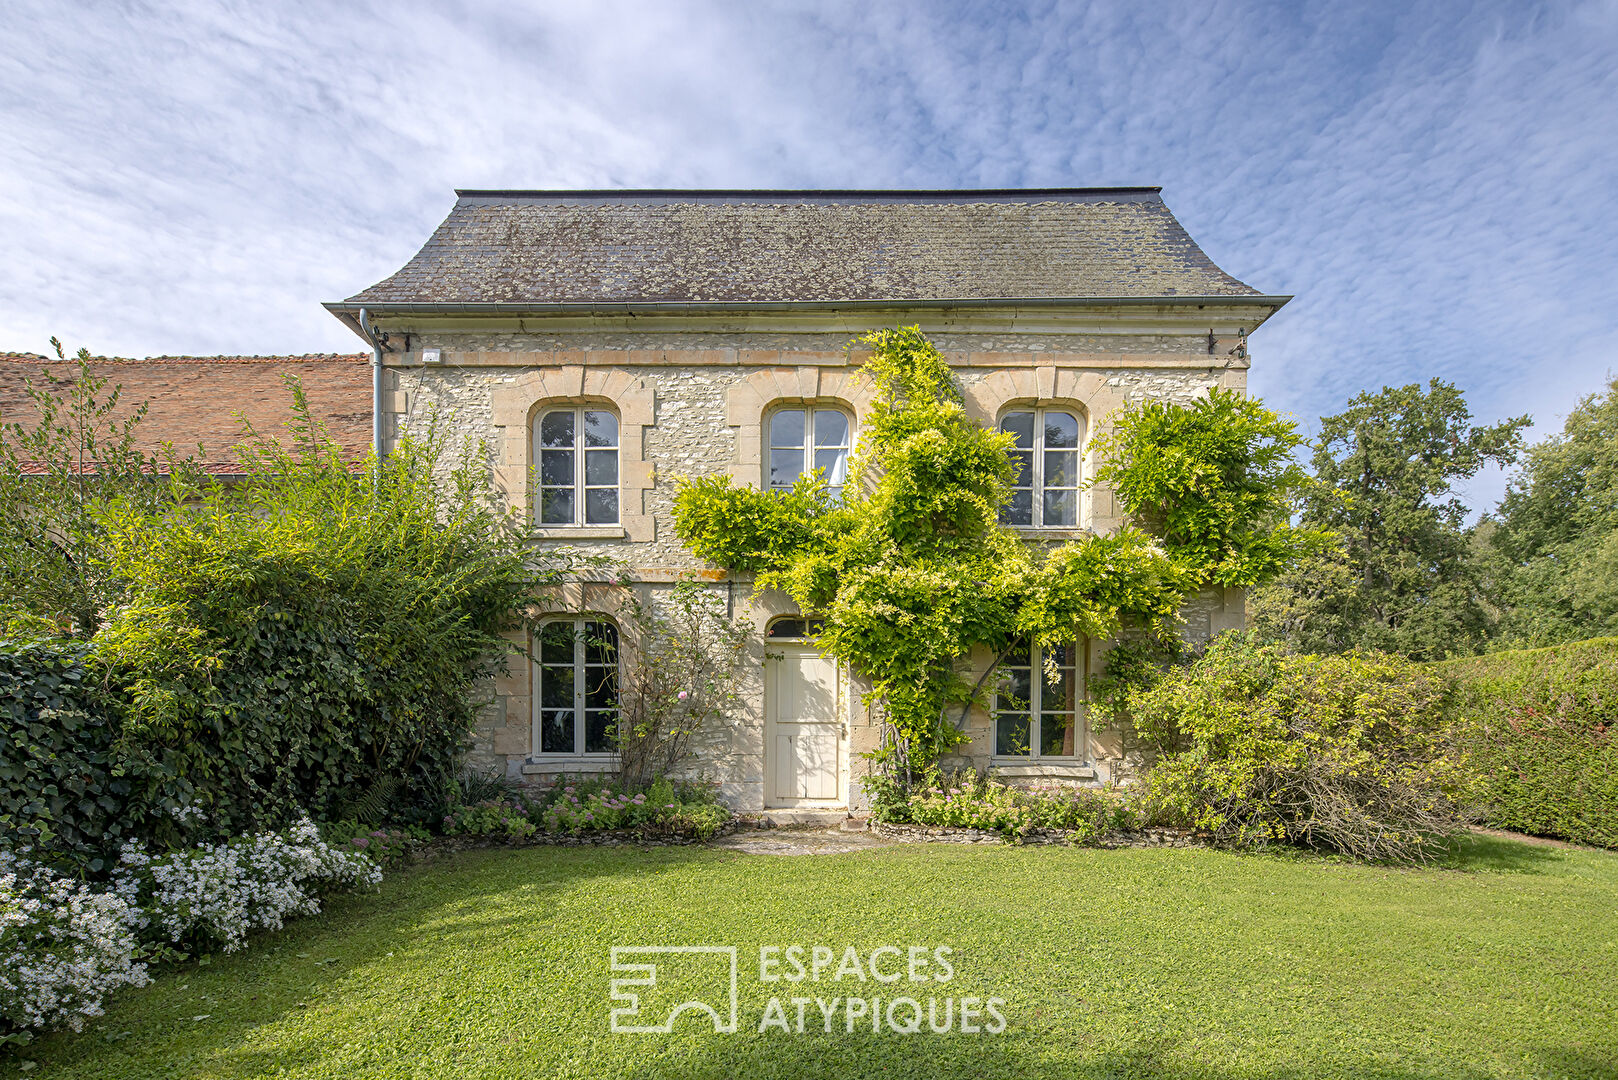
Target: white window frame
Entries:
(537, 752)
(1036, 711)
(580, 453)
(1037, 469)
(809, 409)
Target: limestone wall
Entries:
(693, 404)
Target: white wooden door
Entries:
(803, 752)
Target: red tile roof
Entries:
(202, 399)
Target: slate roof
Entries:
(198, 399)
(528, 248)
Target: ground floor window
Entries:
(577, 710)
(1037, 703)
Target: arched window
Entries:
(576, 710)
(1045, 493)
(1036, 703)
(576, 457)
(803, 439)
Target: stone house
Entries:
(602, 343)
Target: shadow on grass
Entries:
(1028, 1057)
(1498, 854)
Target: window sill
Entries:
(579, 532)
(591, 764)
(1064, 532)
(1042, 768)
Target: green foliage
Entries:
(912, 569)
(81, 455)
(1556, 544)
(65, 791)
(661, 808)
(974, 800)
(1214, 479)
(1404, 578)
(1541, 728)
(305, 641)
(299, 637)
(1132, 666)
(1349, 753)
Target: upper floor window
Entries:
(1036, 703)
(577, 710)
(802, 441)
(1045, 493)
(576, 450)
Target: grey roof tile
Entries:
(627, 247)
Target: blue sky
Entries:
(1437, 183)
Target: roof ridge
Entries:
(1032, 194)
(222, 358)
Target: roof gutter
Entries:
(345, 309)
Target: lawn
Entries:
(1141, 963)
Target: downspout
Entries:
(376, 383)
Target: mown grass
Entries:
(1147, 963)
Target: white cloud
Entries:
(1436, 185)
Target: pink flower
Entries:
(683, 695)
(362, 842)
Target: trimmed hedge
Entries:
(1542, 729)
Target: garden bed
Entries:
(908, 833)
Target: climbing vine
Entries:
(910, 568)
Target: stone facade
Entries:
(691, 396)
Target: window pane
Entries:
(556, 732)
(556, 506)
(786, 628)
(600, 643)
(601, 689)
(785, 467)
(1024, 461)
(786, 428)
(1061, 468)
(1011, 735)
(1020, 510)
(1017, 655)
(601, 467)
(1013, 690)
(556, 643)
(831, 428)
(601, 506)
(1061, 429)
(1020, 424)
(1056, 735)
(556, 468)
(833, 466)
(556, 687)
(556, 429)
(1061, 508)
(598, 731)
(600, 428)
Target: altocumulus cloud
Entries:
(1436, 184)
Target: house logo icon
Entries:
(661, 982)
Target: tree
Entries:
(1556, 537)
(911, 568)
(57, 474)
(1404, 578)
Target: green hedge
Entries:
(1542, 727)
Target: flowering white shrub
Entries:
(215, 895)
(63, 948)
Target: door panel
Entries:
(804, 743)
